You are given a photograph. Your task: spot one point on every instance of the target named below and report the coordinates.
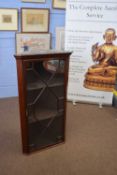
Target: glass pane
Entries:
(45, 103)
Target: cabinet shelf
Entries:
(35, 82)
(42, 114)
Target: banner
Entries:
(90, 33)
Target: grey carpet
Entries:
(90, 147)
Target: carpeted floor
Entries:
(90, 147)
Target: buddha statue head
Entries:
(110, 35)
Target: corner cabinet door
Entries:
(45, 102)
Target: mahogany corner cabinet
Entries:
(42, 85)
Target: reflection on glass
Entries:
(54, 66)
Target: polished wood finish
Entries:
(21, 61)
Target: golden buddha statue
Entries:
(102, 75)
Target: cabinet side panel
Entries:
(65, 90)
(22, 106)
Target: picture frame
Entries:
(33, 1)
(8, 19)
(32, 42)
(34, 20)
(59, 4)
(60, 38)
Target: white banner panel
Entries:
(86, 23)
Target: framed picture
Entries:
(40, 1)
(8, 19)
(32, 42)
(60, 4)
(60, 38)
(35, 20)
